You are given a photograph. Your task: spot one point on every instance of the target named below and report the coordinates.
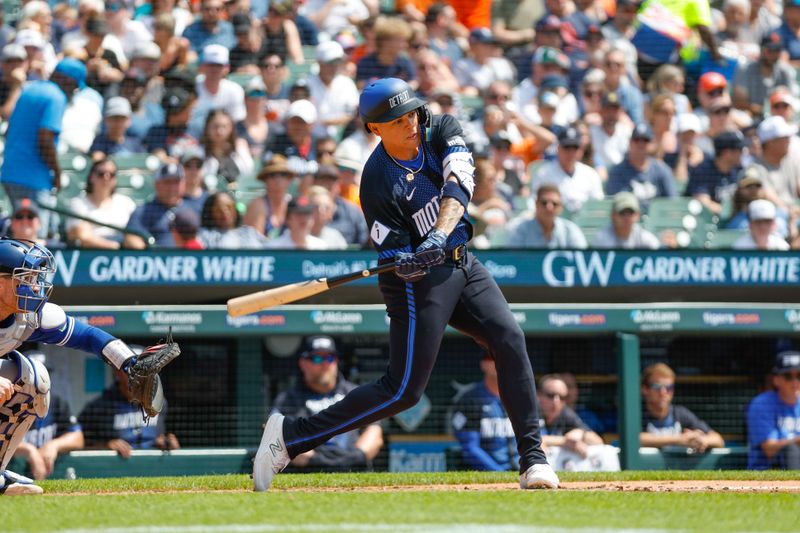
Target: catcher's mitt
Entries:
(143, 380)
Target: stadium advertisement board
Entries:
(530, 268)
(212, 320)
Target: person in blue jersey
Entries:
(57, 433)
(26, 315)
(667, 424)
(481, 425)
(30, 161)
(414, 192)
(112, 422)
(773, 419)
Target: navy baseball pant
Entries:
(468, 299)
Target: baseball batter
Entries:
(26, 270)
(414, 192)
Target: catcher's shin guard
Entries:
(31, 398)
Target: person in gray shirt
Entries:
(753, 81)
(625, 230)
(546, 229)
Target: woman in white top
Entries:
(100, 202)
(222, 226)
(227, 155)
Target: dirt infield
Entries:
(617, 486)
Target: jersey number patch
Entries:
(379, 232)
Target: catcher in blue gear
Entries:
(415, 189)
(26, 271)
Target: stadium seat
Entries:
(298, 71)
(309, 52)
(74, 162)
(241, 79)
(691, 221)
(724, 238)
(593, 215)
(142, 161)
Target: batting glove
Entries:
(431, 251)
(407, 268)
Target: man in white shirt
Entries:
(611, 137)
(761, 235)
(334, 95)
(477, 72)
(577, 181)
(297, 235)
(214, 91)
(625, 230)
(546, 61)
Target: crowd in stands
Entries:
(251, 111)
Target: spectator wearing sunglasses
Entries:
(100, 202)
(773, 418)
(546, 228)
(559, 424)
(321, 384)
(25, 222)
(666, 424)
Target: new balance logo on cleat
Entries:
(271, 456)
(276, 449)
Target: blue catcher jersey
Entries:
(400, 203)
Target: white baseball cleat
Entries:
(271, 456)
(17, 485)
(539, 477)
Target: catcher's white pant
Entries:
(31, 398)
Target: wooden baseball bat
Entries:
(258, 301)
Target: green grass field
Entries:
(371, 502)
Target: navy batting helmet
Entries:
(388, 99)
(32, 266)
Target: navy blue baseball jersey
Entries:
(678, 418)
(563, 424)
(58, 420)
(302, 401)
(401, 199)
(112, 416)
(484, 431)
(401, 202)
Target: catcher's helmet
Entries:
(33, 267)
(388, 99)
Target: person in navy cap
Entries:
(321, 385)
(773, 419)
(155, 216)
(639, 172)
(610, 137)
(485, 65)
(714, 180)
(753, 82)
(576, 181)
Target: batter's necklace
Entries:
(410, 175)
